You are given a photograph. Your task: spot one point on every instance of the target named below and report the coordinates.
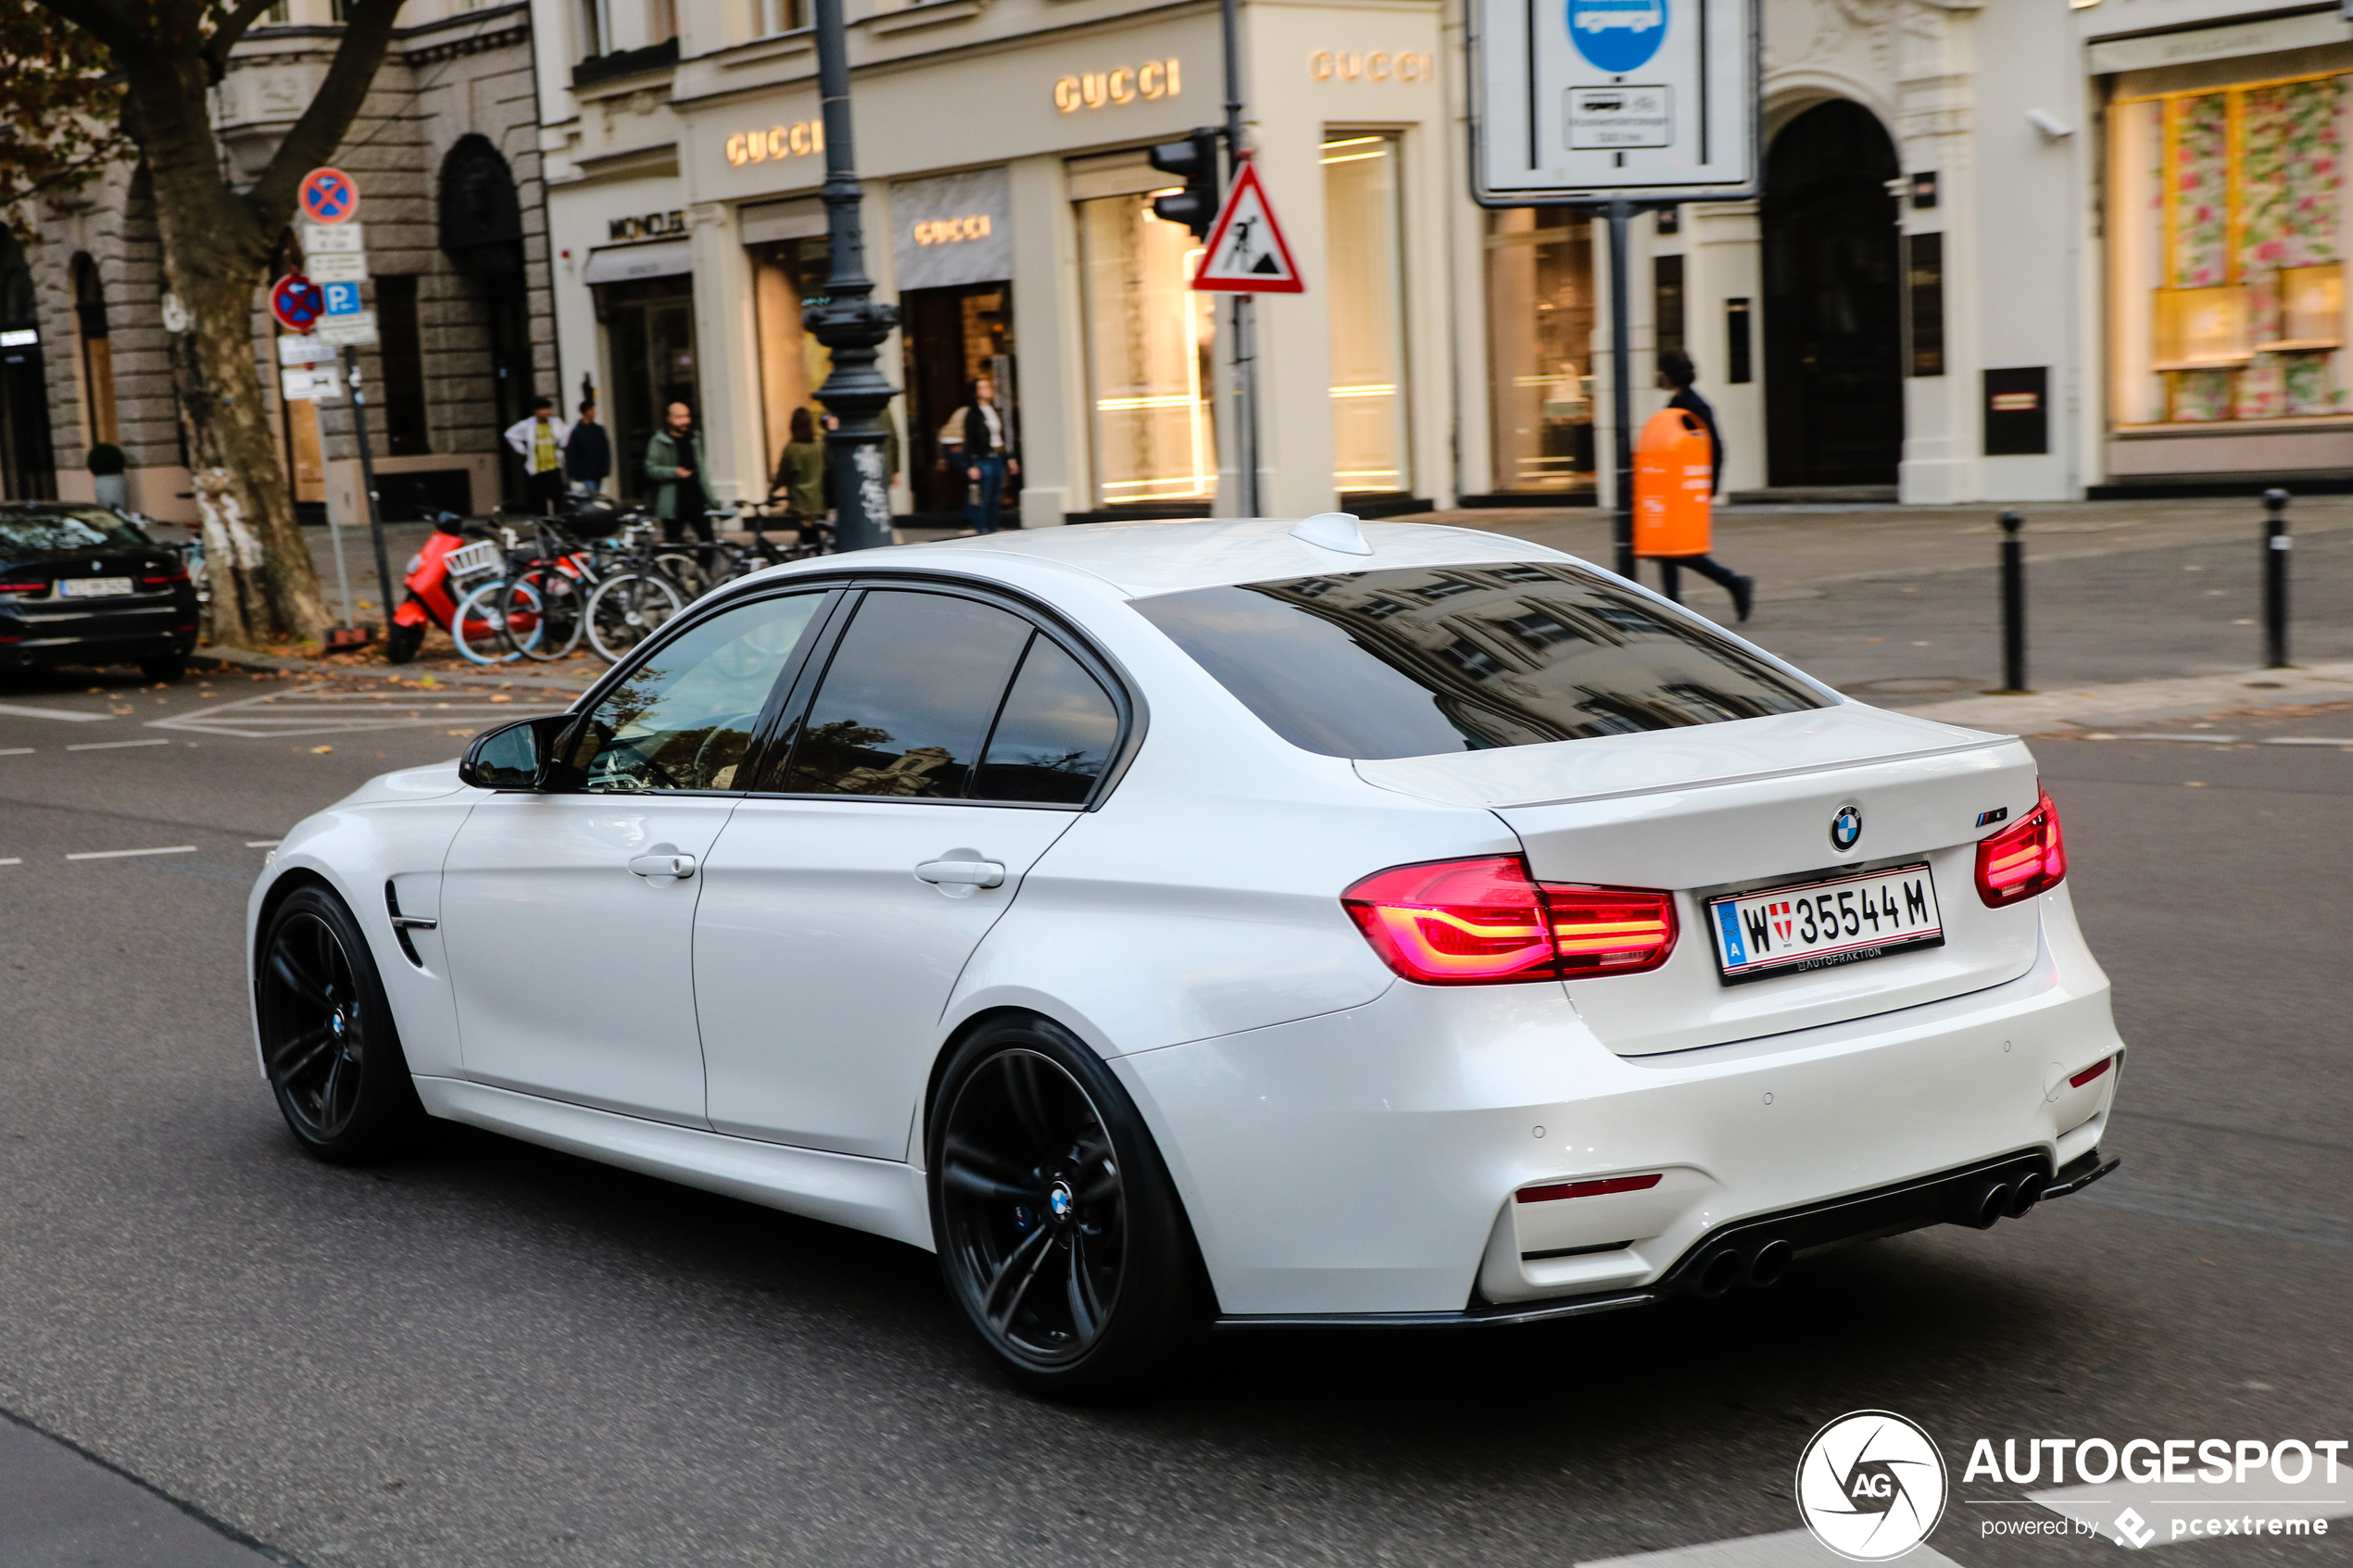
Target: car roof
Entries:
(1144, 558)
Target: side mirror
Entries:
(514, 757)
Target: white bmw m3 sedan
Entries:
(1242, 923)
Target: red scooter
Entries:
(431, 600)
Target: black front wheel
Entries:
(327, 1037)
(1060, 1234)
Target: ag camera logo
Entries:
(1871, 1485)
(1617, 36)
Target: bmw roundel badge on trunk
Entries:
(1846, 828)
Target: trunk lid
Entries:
(1739, 807)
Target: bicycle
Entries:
(634, 601)
(534, 607)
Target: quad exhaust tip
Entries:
(1982, 1205)
(1769, 1262)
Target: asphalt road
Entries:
(492, 1354)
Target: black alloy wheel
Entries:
(327, 1035)
(1059, 1231)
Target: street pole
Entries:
(852, 323)
(1245, 305)
(1621, 355)
(368, 484)
(2275, 558)
(2013, 604)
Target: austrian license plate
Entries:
(93, 587)
(1818, 925)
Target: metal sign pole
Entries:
(1245, 310)
(852, 323)
(368, 481)
(1621, 369)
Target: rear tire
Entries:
(327, 1041)
(402, 642)
(1061, 1236)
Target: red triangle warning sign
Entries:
(1247, 253)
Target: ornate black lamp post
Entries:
(852, 323)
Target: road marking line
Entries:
(114, 744)
(2310, 740)
(263, 843)
(120, 854)
(13, 860)
(17, 710)
(1791, 1548)
(2195, 740)
(18, 751)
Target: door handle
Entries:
(652, 867)
(963, 873)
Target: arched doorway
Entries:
(1833, 301)
(28, 463)
(482, 234)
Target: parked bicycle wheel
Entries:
(563, 603)
(625, 610)
(497, 623)
(685, 573)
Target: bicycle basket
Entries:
(471, 559)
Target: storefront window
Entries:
(1149, 338)
(1539, 330)
(1362, 250)
(2228, 293)
(649, 335)
(788, 276)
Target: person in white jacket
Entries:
(539, 441)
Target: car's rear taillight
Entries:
(1486, 921)
(2023, 860)
(24, 587)
(177, 572)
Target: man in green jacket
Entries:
(675, 467)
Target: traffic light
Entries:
(1194, 160)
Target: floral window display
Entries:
(2228, 270)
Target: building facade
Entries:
(1967, 274)
(445, 152)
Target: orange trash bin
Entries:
(1674, 486)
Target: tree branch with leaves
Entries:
(217, 241)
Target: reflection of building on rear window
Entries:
(1417, 661)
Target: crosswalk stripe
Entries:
(1791, 1548)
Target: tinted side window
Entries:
(908, 698)
(1416, 661)
(1055, 736)
(685, 717)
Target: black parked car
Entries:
(84, 586)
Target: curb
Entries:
(246, 659)
(2179, 698)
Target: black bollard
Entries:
(2013, 604)
(2275, 545)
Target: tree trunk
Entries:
(264, 585)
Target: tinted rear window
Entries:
(27, 532)
(1415, 662)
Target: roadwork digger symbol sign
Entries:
(1246, 253)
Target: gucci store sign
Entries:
(952, 229)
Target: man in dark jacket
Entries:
(677, 468)
(588, 455)
(1677, 373)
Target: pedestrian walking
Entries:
(1677, 373)
(975, 440)
(800, 472)
(539, 442)
(588, 455)
(675, 468)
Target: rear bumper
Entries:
(1364, 1161)
(136, 628)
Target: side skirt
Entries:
(881, 1196)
